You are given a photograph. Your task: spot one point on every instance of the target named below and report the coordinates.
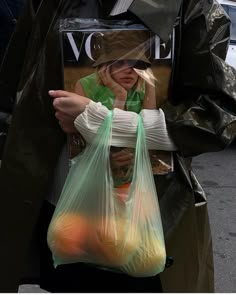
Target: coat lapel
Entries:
(157, 15)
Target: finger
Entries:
(58, 102)
(102, 74)
(59, 93)
(103, 68)
(72, 105)
(63, 103)
(62, 116)
(107, 73)
(108, 70)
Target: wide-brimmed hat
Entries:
(133, 45)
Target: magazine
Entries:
(93, 53)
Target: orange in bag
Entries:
(69, 235)
(122, 192)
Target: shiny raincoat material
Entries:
(201, 117)
(9, 12)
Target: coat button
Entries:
(169, 261)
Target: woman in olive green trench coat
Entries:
(200, 115)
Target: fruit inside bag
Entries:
(150, 253)
(117, 228)
(108, 242)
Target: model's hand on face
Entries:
(68, 106)
(104, 74)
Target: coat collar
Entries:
(158, 15)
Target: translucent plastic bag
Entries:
(92, 223)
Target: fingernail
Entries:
(51, 91)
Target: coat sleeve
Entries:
(9, 81)
(202, 114)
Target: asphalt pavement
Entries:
(217, 174)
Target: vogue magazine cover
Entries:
(105, 60)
